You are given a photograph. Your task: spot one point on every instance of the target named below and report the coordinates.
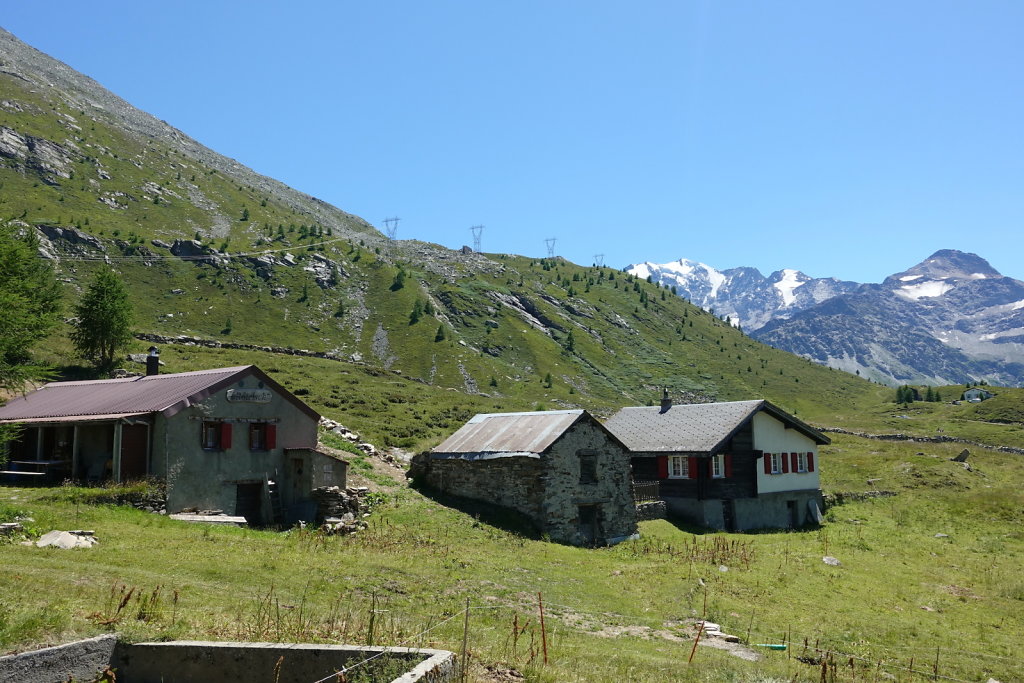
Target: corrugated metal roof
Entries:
(521, 433)
(693, 428)
(67, 401)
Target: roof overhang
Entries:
(74, 419)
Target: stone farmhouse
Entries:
(229, 439)
(734, 466)
(560, 468)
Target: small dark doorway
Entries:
(729, 514)
(794, 514)
(590, 522)
(134, 439)
(249, 503)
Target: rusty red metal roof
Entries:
(510, 433)
(116, 398)
(693, 428)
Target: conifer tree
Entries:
(104, 324)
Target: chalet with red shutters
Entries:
(735, 466)
(229, 439)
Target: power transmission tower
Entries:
(477, 232)
(551, 246)
(599, 260)
(391, 227)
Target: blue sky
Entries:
(842, 139)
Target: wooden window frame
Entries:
(801, 463)
(684, 467)
(718, 466)
(258, 436)
(776, 463)
(588, 467)
(209, 435)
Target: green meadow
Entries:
(929, 572)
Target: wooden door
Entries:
(134, 448)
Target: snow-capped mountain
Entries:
(747, 297)
(950, 319)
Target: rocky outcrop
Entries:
(50, 160)
(193, 250)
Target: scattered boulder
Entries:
(964, 454)
(67, 539)
(831, 561)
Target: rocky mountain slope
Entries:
(950, 319)
(215, 252)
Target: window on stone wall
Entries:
(588, 467)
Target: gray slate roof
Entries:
(510, 433)
(697, 428)
(115, 398)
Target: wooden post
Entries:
(935, 668)
(543, 632)
(116, 455)
(465, 638)
(750, 625)
(515, 635)
(696, 640)
(74, 451)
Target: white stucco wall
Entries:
(771, 436)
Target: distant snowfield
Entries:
(787, 284)
(924, 289)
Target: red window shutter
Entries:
(271, 437)
(691, 468)
(785, 463)
(767, 463)
(662, 467)
(810, 462)
(728, 465)
(794, 463)
(225, 436)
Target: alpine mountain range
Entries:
(950, 319)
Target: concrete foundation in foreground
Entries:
(199, 661)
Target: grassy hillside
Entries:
(901, 596)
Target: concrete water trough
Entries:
(194, 661)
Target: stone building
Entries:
(735, 466)
(229, 439)
(560, 468)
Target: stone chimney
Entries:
(666, 402)
(153, 361)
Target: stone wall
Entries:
(655, 509)
(512, 482)
(565, 493)
(547, 488)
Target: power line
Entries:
(215, 256)
(599, 260)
